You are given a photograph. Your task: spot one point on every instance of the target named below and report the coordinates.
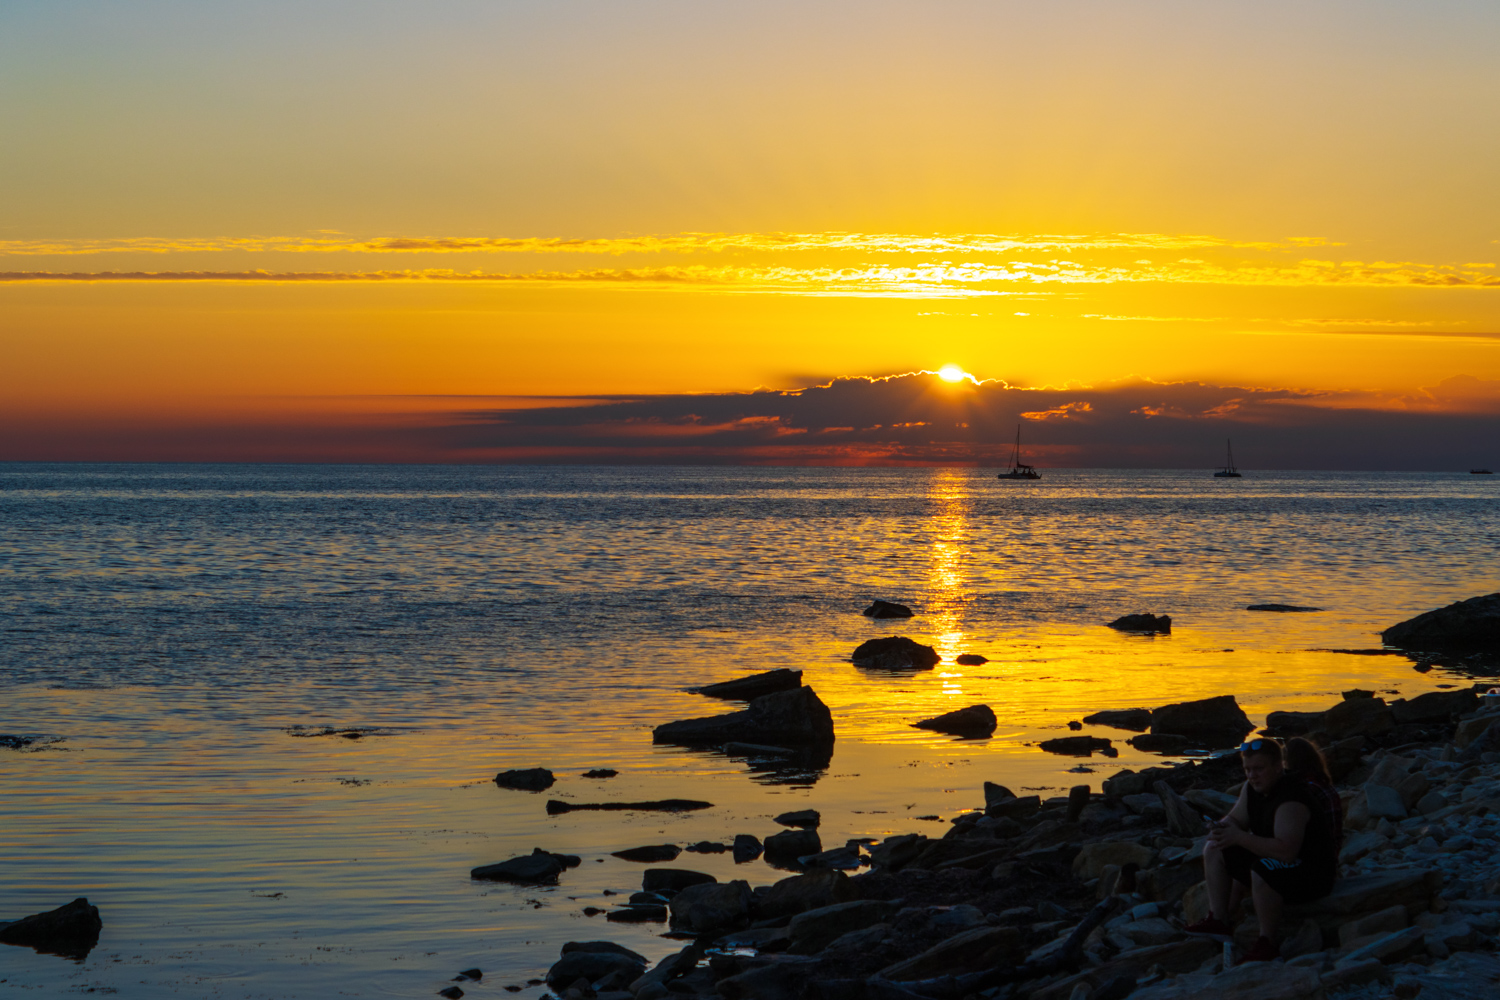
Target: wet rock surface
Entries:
(797, 718)
(532, 779)
(537, 868)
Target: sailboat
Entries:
(1017, 470)
(1229, 471)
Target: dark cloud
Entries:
(914, 419)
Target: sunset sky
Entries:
(377, 231)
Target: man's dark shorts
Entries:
(1294, 881)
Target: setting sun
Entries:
(952, 373)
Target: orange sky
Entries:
(232, 215)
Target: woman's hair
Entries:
(1305, 760)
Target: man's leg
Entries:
(1268, 905)
(1216, 874)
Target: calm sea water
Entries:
(168, 630)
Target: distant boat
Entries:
(1017, 470)
(1480, 472)
(1229, 471)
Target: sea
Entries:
(177, 637)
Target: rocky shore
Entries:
(1085, 896)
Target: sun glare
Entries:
(952, 373)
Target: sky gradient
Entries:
(360, 231)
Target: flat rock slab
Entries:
(1283, 608)
(673, 879)
(974, 722)
(555, 806)
(531, 779)
(653, 854)
(797, 717)
(752, 687)
(537, 868)
(1077, 746)
(895, 652)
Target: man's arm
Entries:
(1291, 825)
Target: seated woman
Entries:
(1280, 842)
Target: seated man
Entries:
(1276, 842)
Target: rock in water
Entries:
(672, 879)
(746, 848)
(555, 806)
(655, 854)
(783, 849)
(1284, 608)
(593, 966)
(711, 908)
(752, 687)
(887, 609)
(1143, 623)
(71, 930)
(970, 660)
(537, 868)
(1077, 746)
(601, 772)
(1137, 720)
(1217, 721)
(974, 722)
(533, 779)
(805, 818)
(1474, 624)
(895, 652)
(797, 717)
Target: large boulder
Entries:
(71, 930)
(1358, 717)
(813, 930)
(974, 722)
(754, 686)
(1142, 623)
(790, 896)
(594, 966)
(711, 908)
(895, 652)
(796, 717)
(1434, 706)
(1216, 721)
(981, 948)
(1471, 624)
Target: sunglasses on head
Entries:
(1259, 745)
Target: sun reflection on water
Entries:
(947, 577)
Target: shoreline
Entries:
(1084, 896)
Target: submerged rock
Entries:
(754, 686)
(895, 652)
(532, 779)
(796, 717)
(1134, 719)
(1284, 608)
(976, 721)
(887, 609)
(1143, 623)
(1474, 623)
(71, 931)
